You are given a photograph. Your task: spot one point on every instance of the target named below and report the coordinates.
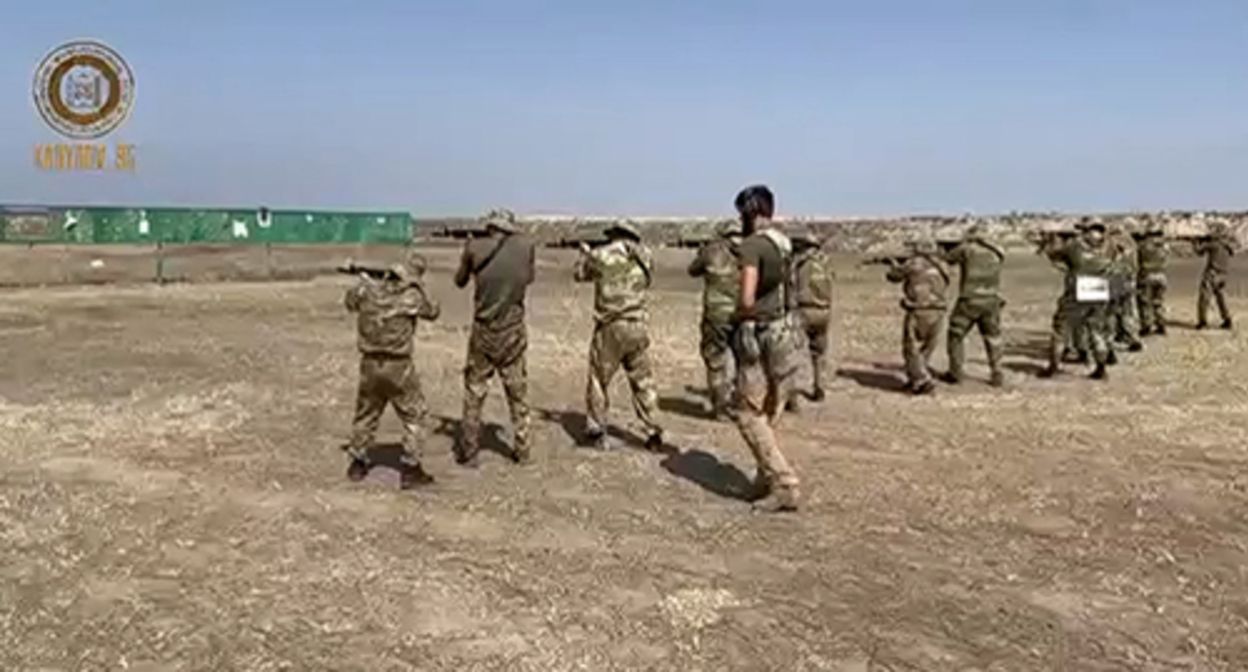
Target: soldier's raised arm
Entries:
(464, 272)
(584, 269)
(697, 267)
(354, 297)
(897, 272)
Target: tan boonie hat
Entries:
(627, 227)
(501, 219)
(804, 235)
(976, 230)
(416, 263)
(727, 228)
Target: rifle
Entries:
(376, 272)
(885, 260)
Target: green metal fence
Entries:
(138, 226)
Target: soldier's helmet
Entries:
(626, 227)
(500, 218)
(1155, 228)
(728, 228)
(977, 229)
(922, 245)
(1116, 228)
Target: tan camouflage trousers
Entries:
(1124, 323)
(1212, 287)
(1151, 299)
(816, 323)
(386, 381)
(970, 313)
(763, 386)
(919, 332)
(496, 350)
(720, 362)
(1089, 324)
(621, 343)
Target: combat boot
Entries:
(357, 470)
(1101, 373)
(951, 377)
(1145, 331)
(1049, 371)
(521, 456)
(1226, 324)
(654, 442)
(926, 387)
(1201, 325)
(1111, 357)
(1160, 330)
(818, 395)
(781, 499)
(1135, 347)
(413, 476)
(997, 379)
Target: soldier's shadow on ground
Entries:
(1033, 347)
(709, 473)
(683, 405)
(573, 424)
(389, 455)
(491, 434)
(886, 377)
(695, 466)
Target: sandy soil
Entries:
(173, 496)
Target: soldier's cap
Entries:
(1155, 228)
(501, 219)
(404, 272)
(416, 263)
(976, 230)
(624, 227)
(922, 245)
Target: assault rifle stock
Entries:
(375, 271)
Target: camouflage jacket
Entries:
(926, 282)
(979, 263)
(387, 311)
(1124, 257)
(716, 264)
(1218, 252)
(1151, 255)
(620, 271)
(1082, 259)
(813, 278)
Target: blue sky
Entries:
(649, 107)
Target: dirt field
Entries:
(173, 497)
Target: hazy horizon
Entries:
(446, 109)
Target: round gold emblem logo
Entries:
(83, 89)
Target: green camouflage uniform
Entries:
(1124, 324)
(621, 272)
(1152, 254)
(979, 304)
(1217, 252)
(925, 283)
(502, 267)
(767, 349)
(387, 312)
(716, 264)
(813, 283)
(1088, 320)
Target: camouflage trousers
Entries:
(718, 356)
(388, 380)
(816, 323)
(494, 349)
(620, 343)
(1212, 287)
(919, 331)
(1086, 323)
(1150, 295)
(1124, 323)
(763, 386)
(974, 312)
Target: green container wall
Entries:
(184, 225)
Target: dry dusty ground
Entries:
(172, 498)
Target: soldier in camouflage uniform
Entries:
(812, 280)
(1124, 324)
(766, 347)
(716, 264)
(621, 272)
(1217, 251)
(387, 311)
(1152, 254)
(979, 303)
(502, 267)
(925, 282)
(1086, 256)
